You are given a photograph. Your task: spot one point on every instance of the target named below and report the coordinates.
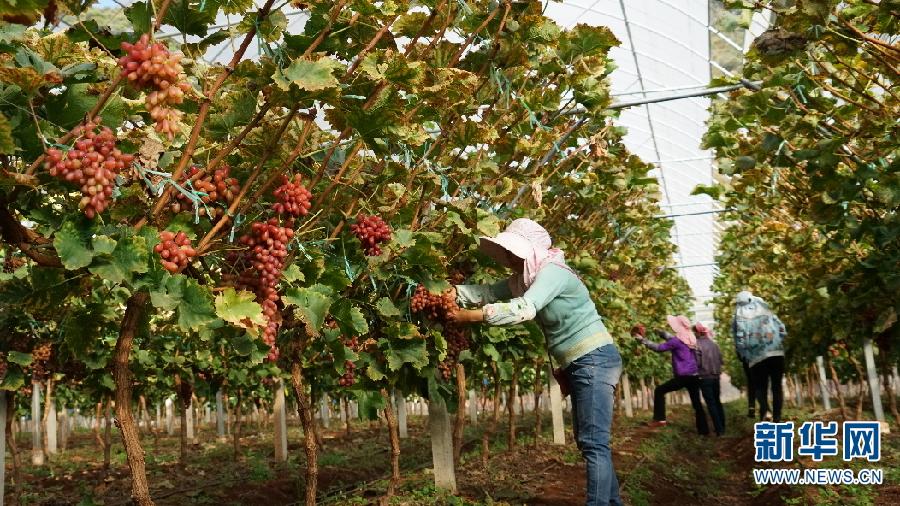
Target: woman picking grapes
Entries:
(543, 286)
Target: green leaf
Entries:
(403, 330)
(16, 357)
(240, 309)
(72, 247)
(7, 145)
(308, 75)
(189, 20)
(311, 304)
(270, 28)
(68, 108)
(292, 274)
(13, 380)
(243, 345)
(167, 295)
(196, 310)
(103, 244)
(140, 14)
(584, 41)
(235, 6)
(130, 256)
(386, 308)
(407, 351)
(239, 108)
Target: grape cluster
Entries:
(11, 263)
(151, 65)
(175, 250)
(93, 163)
(371, 232)
(293, 198)
(437, 307)
(261, 267)
(457, 338)
(216, 188)
(40, 356)
(349, 377)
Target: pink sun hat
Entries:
(682, 327)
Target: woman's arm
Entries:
(670, 344)
(545, 288)
(479, 295)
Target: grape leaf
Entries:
(103, 244)
(17, 357)
(196, 310)
(407, 351)
(240, 309)
(13, 380)
(386, 308)
(139, 13)
(312, 305)
(130, 256)
(72, 247)
(189, 20)
(308, 75)
(350, 318)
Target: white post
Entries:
(64, 427)
(895, 378)
(220, 415)
(37, 452)
(823, 383)
(170, 416)
(189, 419)
(626, 390)
(2, 446)
(280, 423)
(354, 410)
(52, 432)
(400, 401)
(158, 417)
(441, 445)
(473, 406)
(874, 385)
(559, 430)
(325, 411)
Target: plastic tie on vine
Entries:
(236, 223)
(464, 7)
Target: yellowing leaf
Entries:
(308, 75)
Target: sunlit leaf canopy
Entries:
(667, 47)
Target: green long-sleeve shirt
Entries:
(558, 299)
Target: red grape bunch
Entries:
(371, 232)
(40, 356)
(218, 188)
(293, 198)
(457, 340)
(261, 269)
(175, 250)
(151, 65)
(92, 163)
(437, 307)
(349, 377)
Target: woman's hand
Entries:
(467, 316)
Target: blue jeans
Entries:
(593, 379)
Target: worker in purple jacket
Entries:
(684, 364)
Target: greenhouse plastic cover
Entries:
(664, 50)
